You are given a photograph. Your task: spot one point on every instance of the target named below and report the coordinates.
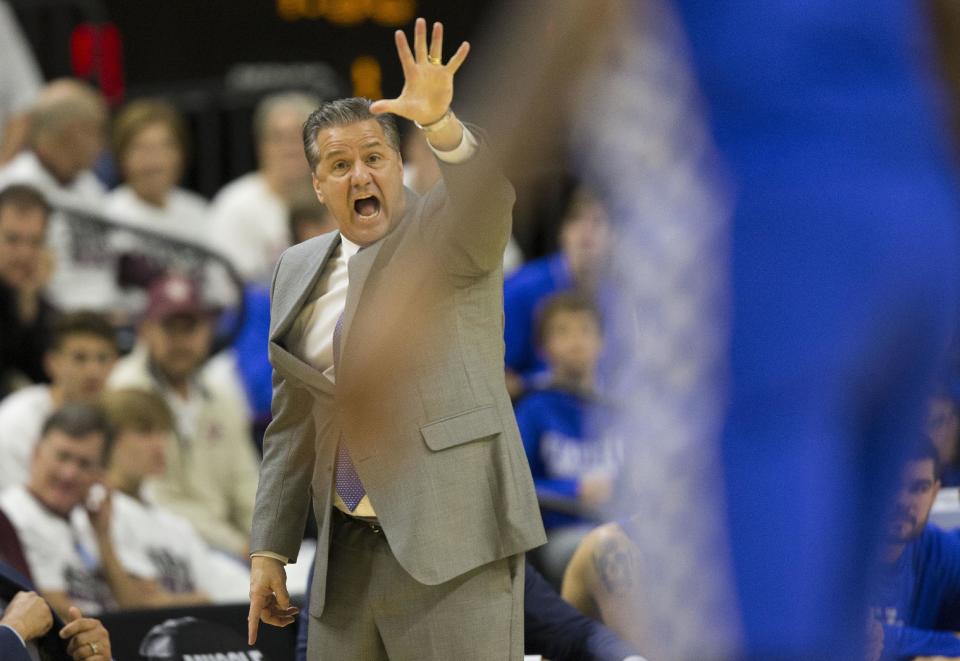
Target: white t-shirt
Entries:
(183, 217)
(62, 554)
(251, 226)
(22, 415)
(178, 558)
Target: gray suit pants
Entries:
(375, 610)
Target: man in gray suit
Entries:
(389, 405)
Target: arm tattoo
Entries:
(614, 562)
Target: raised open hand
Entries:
(428, 83)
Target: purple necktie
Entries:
(347, 481)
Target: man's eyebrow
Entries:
(372, 142)
(336, 151)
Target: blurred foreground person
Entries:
(253, 209)
(29, 630)
(150, 144)
(773, 389)
(80, 355)
(389, 399)
(25, 268)
(211, 477)
(918, 598)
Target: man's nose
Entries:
(360, 174)
(69, 471)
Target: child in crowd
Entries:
(572, 469)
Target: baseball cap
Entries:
(174, 294)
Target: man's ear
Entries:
(316, 187)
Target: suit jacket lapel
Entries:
(358, 270)
(302, 286)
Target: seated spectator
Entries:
(918, 597)
(69, 549)
(943, 427)
(25, 267)
(309, 218)
(211, 478)
(82, 351)
(150, 144)
(188, 570)
(583, 245)
(253, 209)
(30, 631)
(67, 125)
(568, 465)
(601, 579)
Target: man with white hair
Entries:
(253, 209)
(67, 125)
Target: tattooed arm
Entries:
(601, 581)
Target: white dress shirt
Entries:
(311, 336)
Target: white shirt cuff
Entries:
(269, 554)
(15, 633)
(460, 153)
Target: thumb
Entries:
(74, 614)
(385, 105)
(283, 597)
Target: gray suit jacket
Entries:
(420, 397)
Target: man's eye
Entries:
(373, 158)
(339, 165)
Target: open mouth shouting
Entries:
(367, 207)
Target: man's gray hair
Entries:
(299, 102)
(340, 113)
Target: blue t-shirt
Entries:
(523, 293)
(918, 598)
(552, 425)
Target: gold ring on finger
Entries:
(93, 648)
(433, 60)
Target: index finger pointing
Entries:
(253, 618)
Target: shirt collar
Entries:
(347, 247)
